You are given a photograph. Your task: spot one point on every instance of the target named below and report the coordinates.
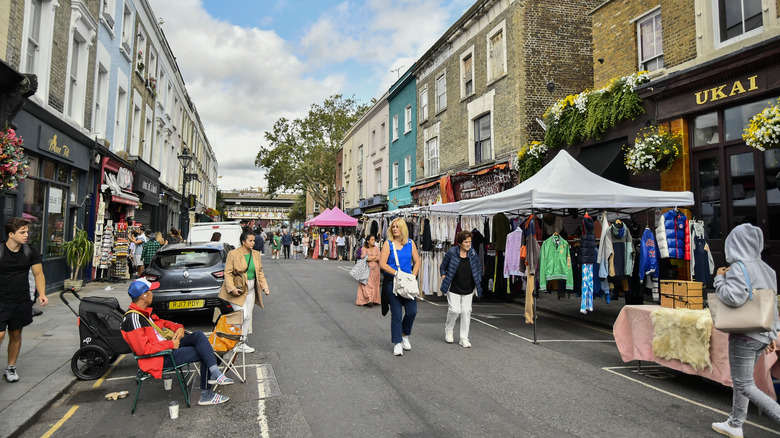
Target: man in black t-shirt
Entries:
(15, 304)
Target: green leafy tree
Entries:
(298, 209)
(300, 154)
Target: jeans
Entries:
(286, 251)
(399, 325)
(743, 353)
(459, 305)
(193, 348)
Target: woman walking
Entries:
(743, 251)
(244, 279)
(460, 277)
(368, 294)
(409, 260)
(305, 245)
(276, 246)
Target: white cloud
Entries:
(243, 79)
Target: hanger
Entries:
(586, 215)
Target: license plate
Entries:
(189, 304)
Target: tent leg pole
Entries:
(535, 320)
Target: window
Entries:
(408, 169)
(127, 31)
(146, 147)
(432, 157)
(74, 83)
(424, 104)
(107, 14)
(101, 102)
(384, 137)
(441, 92)
(360, 155)
(120, 133)
(395, 127)
(83, 31)
(135, 140)
(360, 189)
(395, 175)
(408, 119)
(378, 177)
(738, 17)
(651, 50)
(467, 73)
(33, 37)
(373, 141)
(496, 48)
(482, 149)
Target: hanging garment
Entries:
(555, 262)
(530, 316)
(648, 255)
(500, 231)
(605, 252)
(702, 263)
(427, 241)
(486, 230)
(532, 246)
(551, 224)
(514, 242)
(586, 303)
(588, 251)
(623, 250)
(673, 235)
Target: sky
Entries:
(248, 63)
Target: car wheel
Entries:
(90, 362)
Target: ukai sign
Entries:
(727, 90)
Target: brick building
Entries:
(713, 65)
(483, 85)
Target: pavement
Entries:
(49, 343)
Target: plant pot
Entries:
(76, 284)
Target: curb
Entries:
(27, 409)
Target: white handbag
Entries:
(757, 314)
(360, 271)
(405, 284)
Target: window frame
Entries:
(716, 14)
(396, 179)
(441, 92)
(408, 119)
(468, 54)
(42, 67)
(650, 15)
(429, 157)
(395, 127)
(491, 75)
(408, 169)
(478, 158)
(424, 104)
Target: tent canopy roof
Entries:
(310, 222)
(565, 183)
(333, 218)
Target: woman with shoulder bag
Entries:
(460, 277)
(368, 294)
(244, 279)
(409, 260)
(743, 248)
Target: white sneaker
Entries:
(448, 337)
(405, 343)
(465, 343)
(727, 429)
(243, 348)
(324, 258)
(398, 350)
(11, 376)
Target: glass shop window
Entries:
(705, 129)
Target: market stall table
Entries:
(633, 332)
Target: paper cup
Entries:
(168, 382)
(173, 410)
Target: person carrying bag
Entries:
(739, 288)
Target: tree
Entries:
(301, 153)
(298, 209)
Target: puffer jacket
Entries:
(449, 266)
(648, 256)
(588, 242)
(673, 236)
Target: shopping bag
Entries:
(360, 271)
(757, 314)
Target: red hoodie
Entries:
(144, 339)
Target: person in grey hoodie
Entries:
(744, 244)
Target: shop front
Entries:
(53, 195)
(146, 184)
(373, 204)
(711, 105)
(483, 182)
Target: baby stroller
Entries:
(99, 321)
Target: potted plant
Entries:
(140, 65)
(653, 149)
(763, 130)
(78, 253)
(13, 164)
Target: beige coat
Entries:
(235, 277)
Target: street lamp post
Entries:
(185, 159)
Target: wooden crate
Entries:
(688, 288)
(680, 302)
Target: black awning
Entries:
(606, 159)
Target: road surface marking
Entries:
(102, 379)
(262, 421)
(611, 341)
(62, 421)
(687, 400)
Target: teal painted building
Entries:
(403, 140)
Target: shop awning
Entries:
(124, 197)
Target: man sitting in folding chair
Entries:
(144, 332)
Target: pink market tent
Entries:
(333, 218)
(310, 222)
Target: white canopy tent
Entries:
(565, 183)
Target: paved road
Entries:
(324, 368)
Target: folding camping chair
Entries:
(183, 376)
(226, 339)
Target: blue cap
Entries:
(140, 287)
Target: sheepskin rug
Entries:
(683, 334)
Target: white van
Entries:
(230, 231)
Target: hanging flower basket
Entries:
(13, 164)
(653, 150)
(763, 130)
(529, 160)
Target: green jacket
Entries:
(555, 262)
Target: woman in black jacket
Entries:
(461, 276)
